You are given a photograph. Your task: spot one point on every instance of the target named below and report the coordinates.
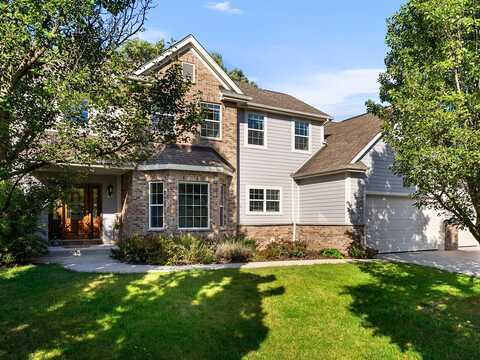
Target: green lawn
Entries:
(369, 311)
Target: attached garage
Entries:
(394, 224)
(466, 239)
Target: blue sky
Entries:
(326, 52)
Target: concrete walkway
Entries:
(464, 261)
(97, 259)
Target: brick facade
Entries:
(317, 237)
(135, 202)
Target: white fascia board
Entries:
(366, 148)
(203, 55)
(277, 110)
(214, 169)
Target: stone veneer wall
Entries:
(135, 201)
(317, 237)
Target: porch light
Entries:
(110, 190)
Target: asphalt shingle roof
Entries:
(345, 140)
(277, 99)
(194, 155)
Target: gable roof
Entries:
(240, 92)
(278, 100)
(344, 141)
(187, 43)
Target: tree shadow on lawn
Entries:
(427, 311)
(46, 311)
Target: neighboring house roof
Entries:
(186, 157)
(345, 140)
(277, 100)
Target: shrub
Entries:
(283, 250)
(191, 250)
(357, 252)
(149, 249)
(233, 251)
(157, 249)
(331, 253)
(19, 226)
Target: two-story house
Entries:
(264, 164)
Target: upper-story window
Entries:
(256, 130)
(301, 136)
(188, 71)
(212, 125)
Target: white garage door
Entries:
(394, 224)
(465, 238)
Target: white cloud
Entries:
(340, 93)
(153, 35)
(224, 6)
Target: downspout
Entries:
(294, 209)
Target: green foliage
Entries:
(149, 249)
(164, 250)
(233, 251)
(19, 240)
(281, 250)
(191, 250)
(357, 252)
(235, 74)
(432, 89)
(331, 253)
(62, 59)
(138, 52)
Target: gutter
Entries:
(245, 102)
(332, 172)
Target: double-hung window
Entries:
(302, 136)
(193, 205)
(255, 129)
(264, 200)
(223, 202)
(212, 124)
(155, 205)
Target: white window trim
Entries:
(219, 138)
(178, 207)
(225, 217)
(150, 227)
(309, 151)
(265, 132)
(194, 71)
(264, 212)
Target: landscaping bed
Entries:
(156, 249)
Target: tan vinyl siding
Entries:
(272, 166)
(322, 200)
(380, 177)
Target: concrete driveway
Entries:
(464, 261)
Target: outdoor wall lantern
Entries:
(110, 190)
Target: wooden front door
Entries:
(79, 215)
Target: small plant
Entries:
(357, 252)
(283, 250)
(331, 253)
(191, 250)
(233, 251)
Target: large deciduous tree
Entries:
(66, 94)
(432, 87)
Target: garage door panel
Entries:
(466, 239)
(394, 224)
